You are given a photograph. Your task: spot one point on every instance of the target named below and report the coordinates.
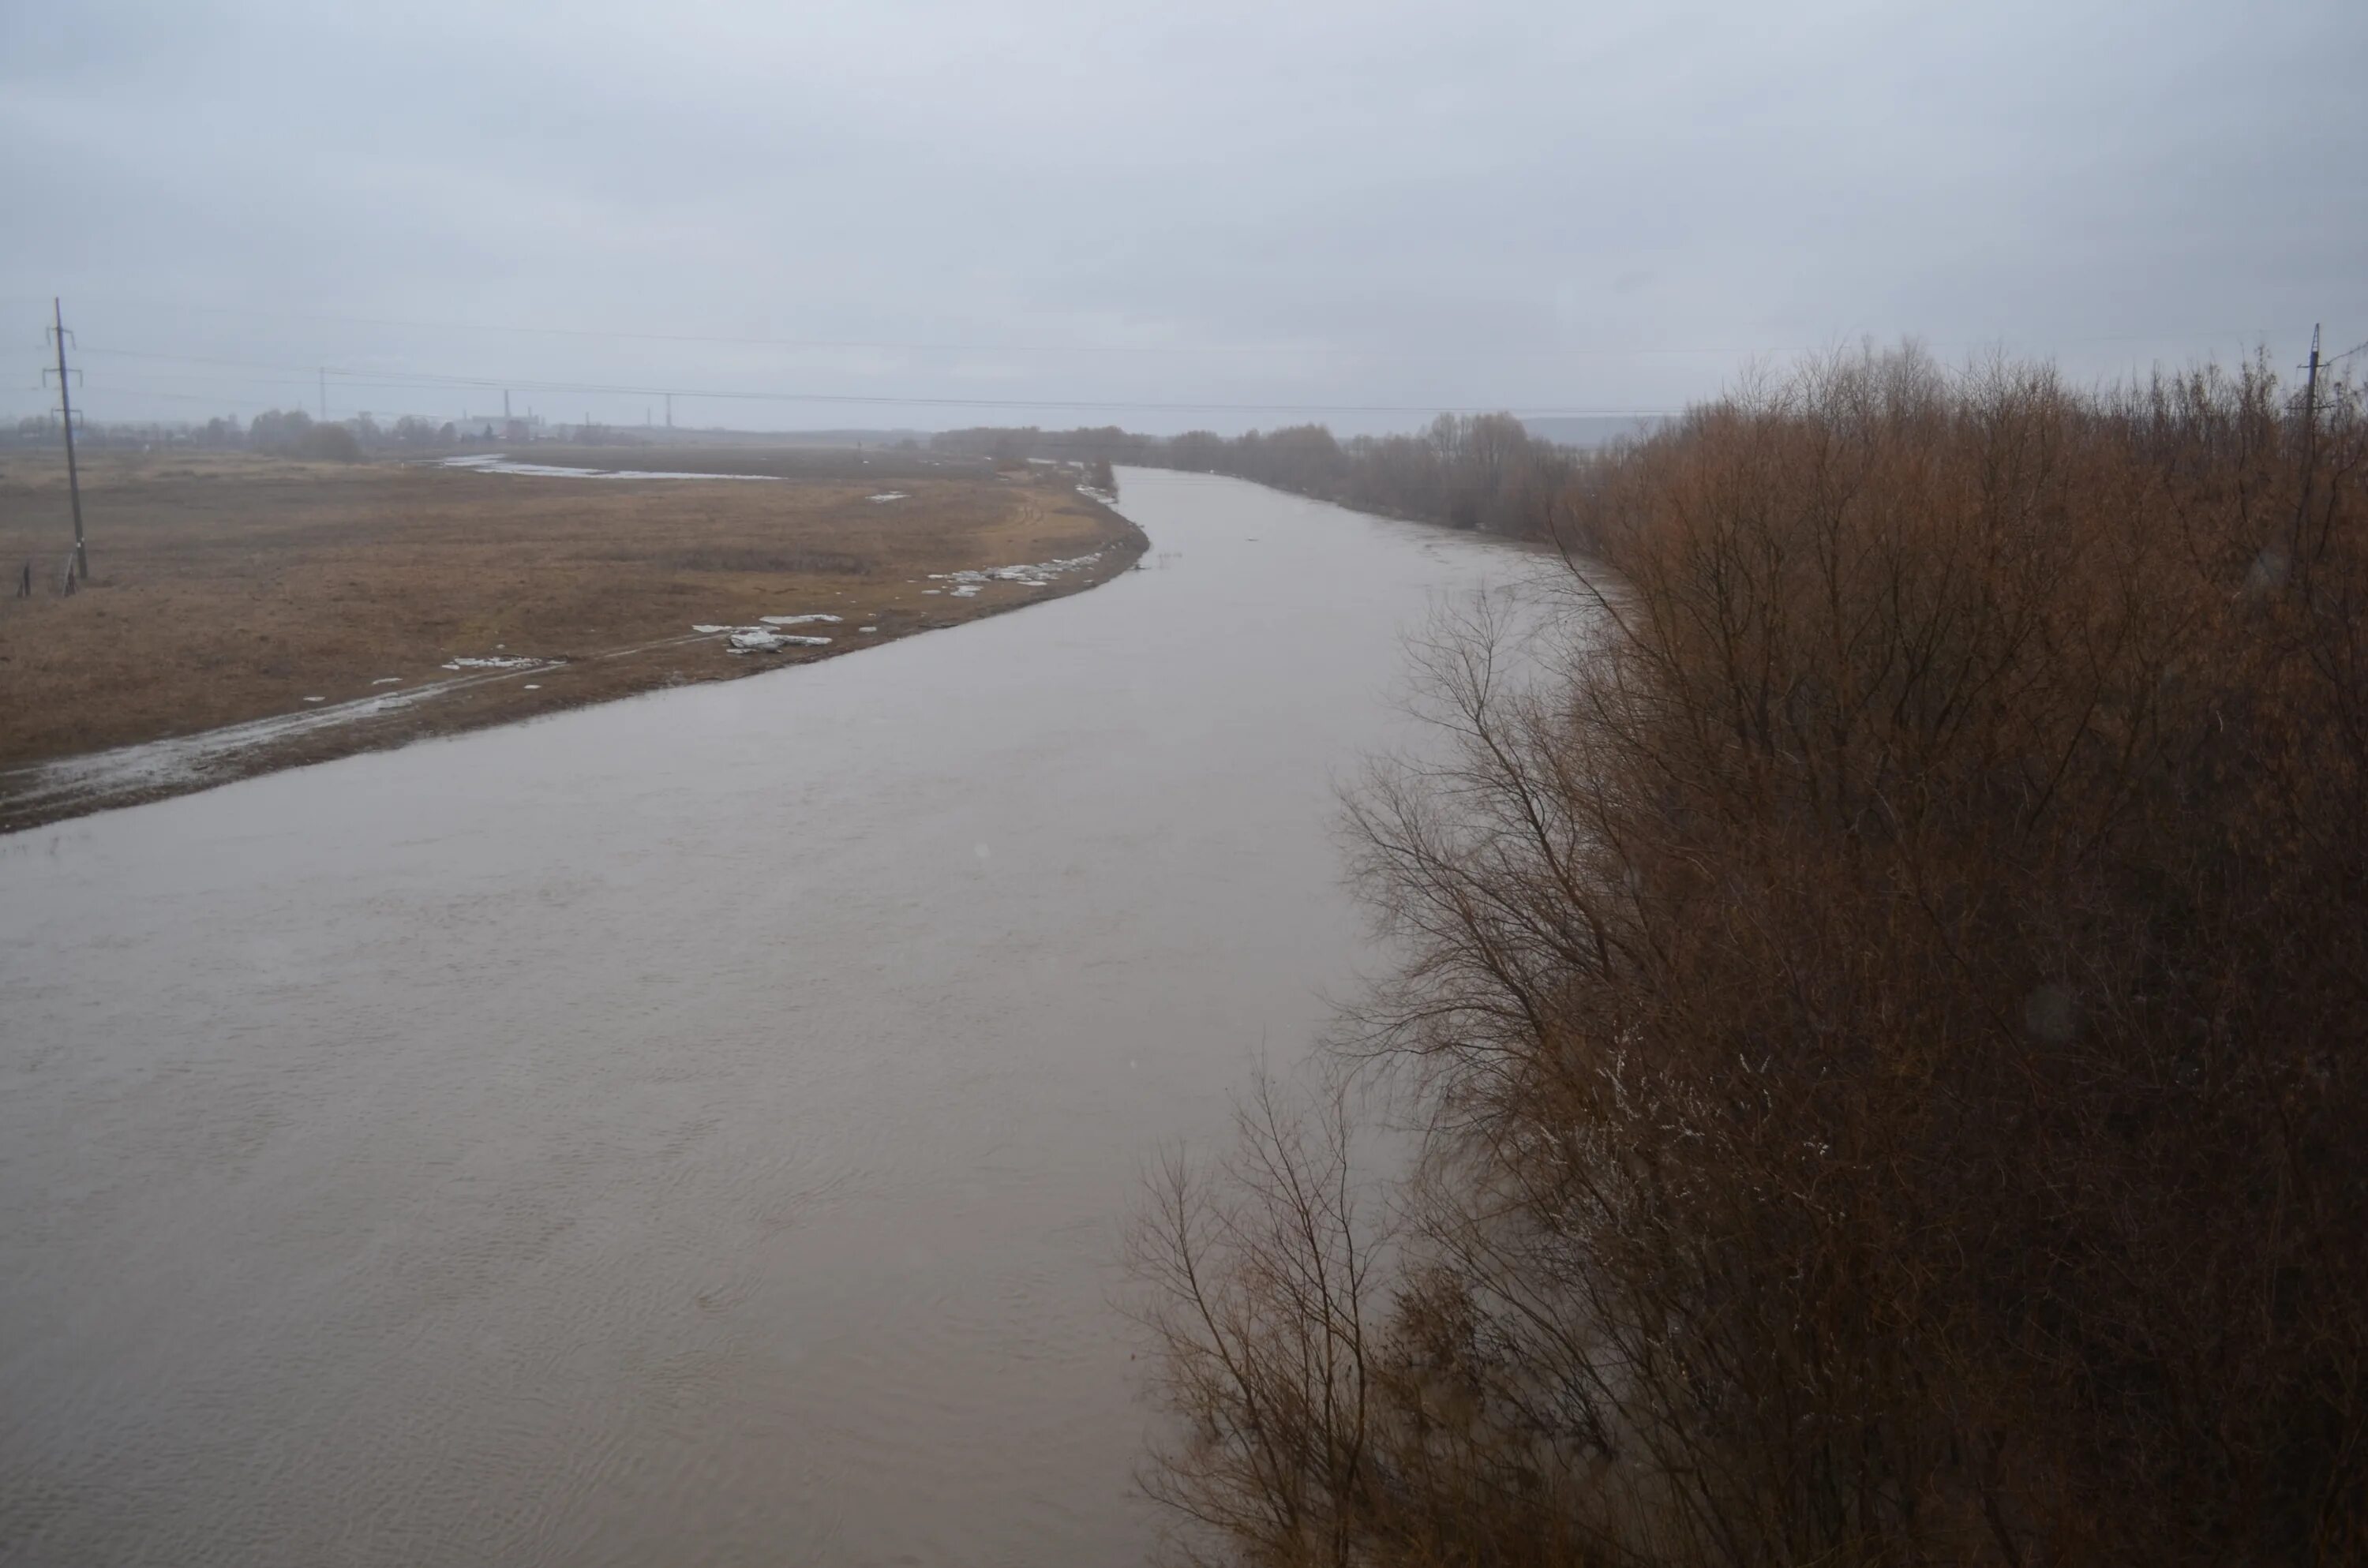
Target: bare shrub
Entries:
(1262, 1281)
(1886, 1008)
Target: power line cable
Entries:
(418, 379)
(397, 380)
(618, 334)
(1559, 351)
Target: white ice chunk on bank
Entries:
(1039, 575)
(763, 640)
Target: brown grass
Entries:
(233, 587)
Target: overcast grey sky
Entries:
(1344, 207)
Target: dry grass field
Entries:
(230, 588)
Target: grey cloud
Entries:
(1543, 206)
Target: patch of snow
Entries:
(796, 619)
(1039, 575)
(889, 496)
(763, 640)
(867, 628)
(316, 699)
(709, 631)
(497, 662)
(99, 778)
(388, 680)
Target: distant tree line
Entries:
(280, 433)
(1484, 472)
(298, 434)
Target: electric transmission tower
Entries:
(78, 564)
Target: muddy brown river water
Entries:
(693, 1131)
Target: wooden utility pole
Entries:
(2309, 461)
(80, 566)
(2310, 387)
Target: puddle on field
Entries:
(496, 463)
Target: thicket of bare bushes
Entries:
(295, 433)
(1485, 473)
(1884, 1005)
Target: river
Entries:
(694, 1130)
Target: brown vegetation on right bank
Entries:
(1884, 1005)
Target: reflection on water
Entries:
(689, 1131)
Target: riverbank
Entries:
(249, 614)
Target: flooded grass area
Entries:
(234, 594)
